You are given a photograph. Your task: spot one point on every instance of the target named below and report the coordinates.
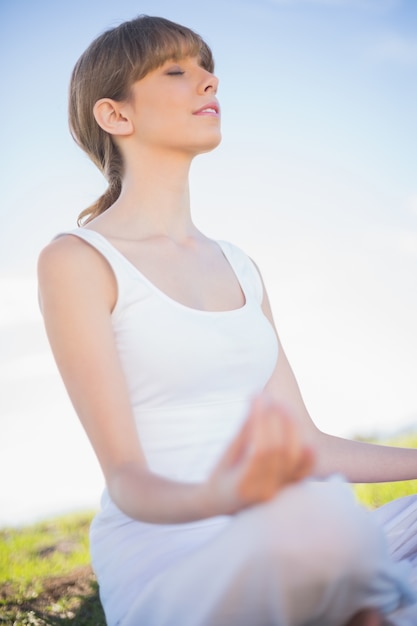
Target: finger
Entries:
(279, 434)
(293, 445)
(274, 431)
(305, 466)
(264, 423)
(265, 464)
(271, 451)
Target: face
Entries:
(175, 107)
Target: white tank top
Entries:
(190, 373)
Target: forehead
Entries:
(169, 47)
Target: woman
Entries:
(165, 341)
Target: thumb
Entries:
(305, 465)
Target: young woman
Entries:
(222, 505)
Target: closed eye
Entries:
(175, 73)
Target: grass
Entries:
(377, 494)
(52, 547)
(46, 579)
(45, 576)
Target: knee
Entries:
(317, 532)
(315, 550)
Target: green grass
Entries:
(377, 494)
(47, 549)
(45, 577)
(373, 496)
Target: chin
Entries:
(209, 145)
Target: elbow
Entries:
(125, 483)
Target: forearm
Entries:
(145, 496)
(266, 455)
(363, 462)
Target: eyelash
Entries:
(178, 73)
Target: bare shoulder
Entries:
(64, 250)
(70, 264)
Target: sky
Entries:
(316, 179)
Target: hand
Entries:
(265, 456)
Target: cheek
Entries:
(162, 118)
(150, 117)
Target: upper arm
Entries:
(283, 386)
(77, 291)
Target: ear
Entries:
(111, 117)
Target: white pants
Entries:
(311, 556)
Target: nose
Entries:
(209, 83)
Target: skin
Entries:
(367, 617)
(159, 133)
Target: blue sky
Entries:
(315, 178)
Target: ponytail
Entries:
(105, 201)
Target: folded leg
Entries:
(309, 557)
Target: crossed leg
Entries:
(367, 617)
(311, 556)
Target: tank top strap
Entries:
(118, 263)
(129, 287)
(245, 270)
(127, 275)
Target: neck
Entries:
(155, 198)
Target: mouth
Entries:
(212, 108)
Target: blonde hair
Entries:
(107, 69)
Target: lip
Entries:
(211, 108)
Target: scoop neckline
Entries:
(164, 295)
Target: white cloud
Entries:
(19, 300)
(395, 48)
(26, 367)
(411, 204)
(408, 241)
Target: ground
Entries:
(70, 599)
